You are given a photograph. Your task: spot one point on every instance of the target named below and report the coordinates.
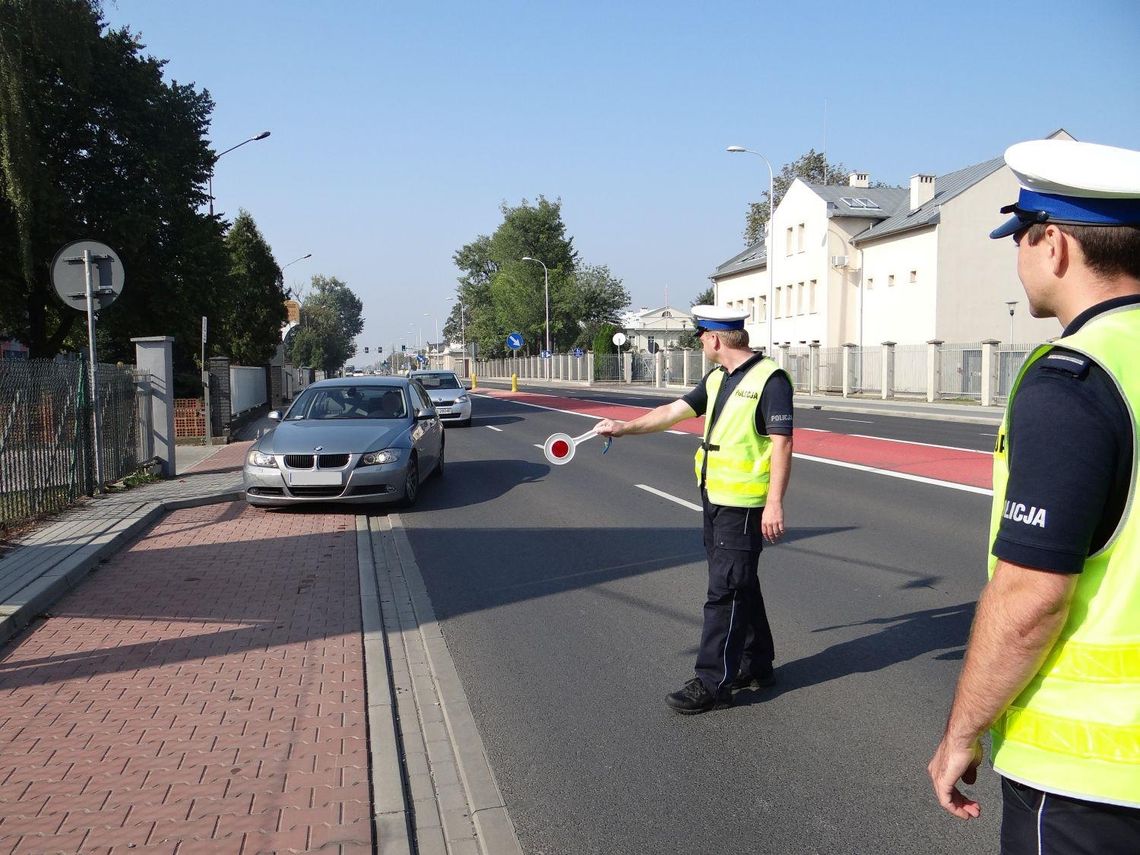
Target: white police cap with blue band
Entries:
(718, 318)
(1072, 183)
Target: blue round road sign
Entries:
(578, 351)
(515, 340)
(545, 354)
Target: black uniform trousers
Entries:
(735, 636)
(1035, 822)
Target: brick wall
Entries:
(189, 419)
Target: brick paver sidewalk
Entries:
(202, 692)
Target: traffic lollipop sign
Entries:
(559, 447)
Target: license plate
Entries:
(443, 411)
(314, 479)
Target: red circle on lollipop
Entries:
(560, 448)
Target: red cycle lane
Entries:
(939, 463)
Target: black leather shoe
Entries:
(694, 698)
(754, 680)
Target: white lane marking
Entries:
(492, 427)
(671, 498)
(680, 433)
(982, 491)
(988, 434)
(922, 444)
(860, 421)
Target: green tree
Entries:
(94, 143)
(812, 167)
(253, 312)
(330, 319)
(598, 298)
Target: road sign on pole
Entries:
(73, 276)
(515, 340)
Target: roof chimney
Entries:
(921, 190)
(859, 179)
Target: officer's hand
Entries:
(951, 762)
(772, 521)
(608, 427)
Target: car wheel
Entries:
(411, 483)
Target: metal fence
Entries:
(46, 444)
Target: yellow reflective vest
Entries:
(1075, 729)
(739, 459)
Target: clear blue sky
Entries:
(398, 128)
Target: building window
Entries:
(800, 238)
(788, 303)
(776, 308)
(752, 309)
(788, 242)
(651, 344)
(800, 299)
(891, 281)
(811, 296)
(913, 276)
(763, 315)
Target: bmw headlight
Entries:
(257, 458)
(374, 458)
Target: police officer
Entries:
(742, 468)
(1053, 661)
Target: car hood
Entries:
(445, 394)
(335, 437)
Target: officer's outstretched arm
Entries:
(658, 419)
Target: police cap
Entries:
(1072, 183)
(717, 318)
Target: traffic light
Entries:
(366, 350)
(403, 347)
(380, 349)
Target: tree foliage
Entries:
(330, 319)
(501, 293)
(95, 144)
(813, 167)
(253, 309)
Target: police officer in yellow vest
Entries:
(742, 468)
(1052, 667)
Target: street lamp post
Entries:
(546, 282)
(260, 136)
(1012, 305)
(770, 313)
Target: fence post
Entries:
(685, 367)
(153, 357)
(933, 369)
(813, 367)
(783, 360)
(658, 374)
(888, 369)
(989, 371)
(627, 366)
(589, 368)
(848, 369)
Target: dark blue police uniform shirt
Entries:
(1070, 454)
(773, 416)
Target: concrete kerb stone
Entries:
(495, 832)
(390, 813)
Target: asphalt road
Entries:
(570, 599)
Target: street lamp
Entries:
(1012, 305)
(295, 260)
(736, 149)
(260, 136)
(546, 281)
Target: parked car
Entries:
(448, 394)
(348, 439)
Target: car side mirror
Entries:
(424, 414)
(274, 415)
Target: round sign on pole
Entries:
(515, 340)
(69, 274)
(619, 338)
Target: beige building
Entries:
(650, 329)
(863, 265)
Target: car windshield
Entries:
(349, 402)
(432, 382)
